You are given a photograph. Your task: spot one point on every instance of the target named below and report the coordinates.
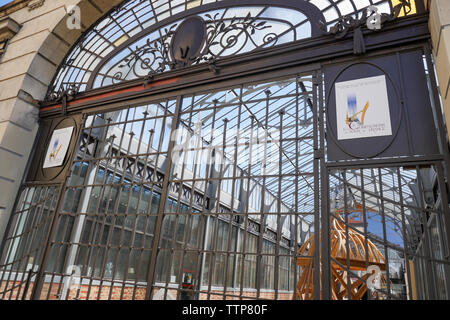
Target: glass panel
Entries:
(106, 230)
(25, 242)
(392, 245)
(235, 188)
(231, 30)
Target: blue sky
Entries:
(3, 2)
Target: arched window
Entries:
(219, 181)
(138, 38)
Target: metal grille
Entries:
(110, 206)
(222, 193)
(23, 248)
(398, 216)
(205, 196)
(128, 21)
(238, 150)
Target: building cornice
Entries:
(8, 28)
(16, 5)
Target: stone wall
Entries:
(26, 68)
(440, 33)
(42, 39)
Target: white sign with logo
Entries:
(57, 149)
(362, 108)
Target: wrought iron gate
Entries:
(224, 194)
(236, 187)
(387, 229)
(200, 196)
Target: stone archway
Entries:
(26, 69)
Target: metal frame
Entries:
(234, 178)
(95, 47)
(402, 32)
(404, 212)
(177, 94)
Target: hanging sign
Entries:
(379, 107)
(58, 147)
(362, 108)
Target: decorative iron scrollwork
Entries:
(218, 34)
(222, 37)
(148, 60)
(63, 93)
(140, 43)
(219, 37)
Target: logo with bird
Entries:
(355, 118)
(56, 149)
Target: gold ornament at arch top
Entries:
(409, 8)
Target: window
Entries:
(133, 40)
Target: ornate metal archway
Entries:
(130, 211)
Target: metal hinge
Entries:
(317, 78)
(318, 154)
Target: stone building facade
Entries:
(35, 37)
(440, 33)
(38, 40)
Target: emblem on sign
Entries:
(57, 149)
(355, 118)
(362, 108)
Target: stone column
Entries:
(440, 33)
(27, 66)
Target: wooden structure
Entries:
(358, 260)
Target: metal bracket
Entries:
(213, 67)
(64, 104)
(148, 79)
(318, 154)
(317, 78)
(370, 18)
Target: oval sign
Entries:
(370, 103)
(188, 39)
